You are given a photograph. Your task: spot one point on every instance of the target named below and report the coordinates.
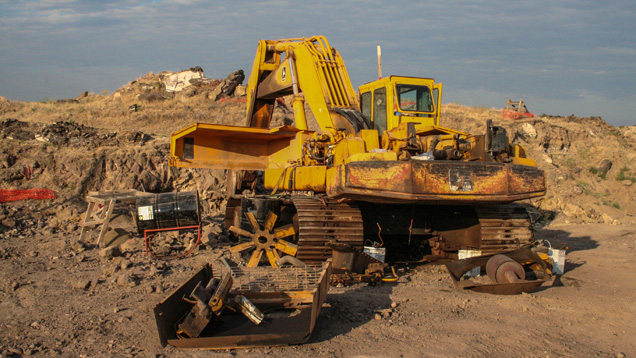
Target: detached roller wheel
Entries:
(503, 269)
(268, 240)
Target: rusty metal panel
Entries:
(380, 175)
(524, 179)
(436, 182)
(172, 308)
(449, 177)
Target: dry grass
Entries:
(470, 119)
(112, 111)
(165, 117)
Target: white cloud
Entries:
(545, 49)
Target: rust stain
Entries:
(435, 182)
(382, 175)
(523, 180)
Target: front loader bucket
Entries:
(214, 146)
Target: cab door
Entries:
(437, 98)
(374, 107)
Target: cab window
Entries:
(379, 110)
(413, 98)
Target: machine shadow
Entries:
(351, 307)
(560, 239)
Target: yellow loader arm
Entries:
(311, 70)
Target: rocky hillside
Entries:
(589, 164)
(121, 141)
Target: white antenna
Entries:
(379, 63)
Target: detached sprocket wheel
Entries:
(269, 240)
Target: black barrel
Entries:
(167, 210)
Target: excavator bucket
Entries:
(291, 298)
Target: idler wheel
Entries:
(503, 269)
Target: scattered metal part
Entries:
(248, 309)
(351, 264)
(524, 255)
(210, 301)
(289, 260)
(199, 316)
(502, 269)
(207, 301)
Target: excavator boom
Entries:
(309, 66)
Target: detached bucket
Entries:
(465, 254)
(558, 261)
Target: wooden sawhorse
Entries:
(100, 209)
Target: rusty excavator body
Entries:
(379, 172)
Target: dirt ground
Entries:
(60, 299)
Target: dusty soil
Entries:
(62, 297)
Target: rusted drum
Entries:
(503, 269)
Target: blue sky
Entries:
(561, 57)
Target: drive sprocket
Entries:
(267, 240)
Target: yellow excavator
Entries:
(376, 171)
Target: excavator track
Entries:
(504, 227)
(321, 221)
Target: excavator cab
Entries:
(387, 102)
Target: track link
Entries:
(504, 227)
(320, 222)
